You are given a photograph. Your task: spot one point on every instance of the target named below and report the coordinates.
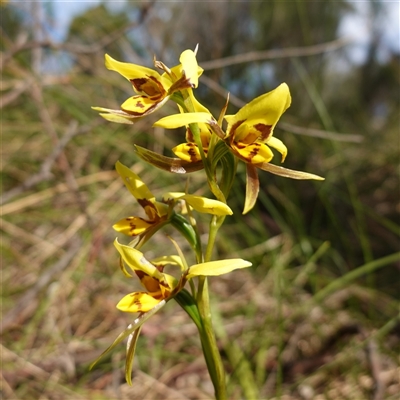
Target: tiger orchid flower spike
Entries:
(248, 137)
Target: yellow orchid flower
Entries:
(158, 213)
(153, 89)
(250, 129)
(189, 151)
(159, 289)
(248, 136)
(159, 285)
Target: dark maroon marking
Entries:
(189, 135)
(138, 83)
(192, 152)
(255, 150)
(265, 131)
(233, 129)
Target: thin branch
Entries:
(276, 53)
(298, 130)
(75, 47)
(319, 133)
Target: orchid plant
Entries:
(208, 146)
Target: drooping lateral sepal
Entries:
(174, 165)
(130, 353)
(252, 187)
(287, 173)
(130, 329)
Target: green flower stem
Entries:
(207, 335)
(209, 342)
(215, 224)
(208, 339)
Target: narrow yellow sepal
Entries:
(129, 71)
(119, 119)
(288, 173)
(190, 67)
(178, 120)
(168, 260)
(269, 107)
(133, 183)
(215, 268)
(136, 261)
(201, 204)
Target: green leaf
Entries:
(229, 165)
(188, 303)
(180, 223)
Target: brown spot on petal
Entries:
(139, 104)
(265, 131)
(233, 130)
(192, 152)
(150, 85)
(255, 150)
(150, 209)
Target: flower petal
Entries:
(132, 226)
(137, 262)
(252, 187)
(277, 145)
(128, 70)
(215, 268)
(288, 173)
(268, 107)
(137, 302)
(118, 116)
(142, 105)
(253, 153)
(137, 323)
(207, 206)
(133, 183)
(190, 67)
(188, 152)
(168, 260)
(178, 120)
(174, 165)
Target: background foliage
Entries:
(317, 317)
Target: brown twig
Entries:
(276, 53)
(74, 47)
(298, 130)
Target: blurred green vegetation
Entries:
(318, 315)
